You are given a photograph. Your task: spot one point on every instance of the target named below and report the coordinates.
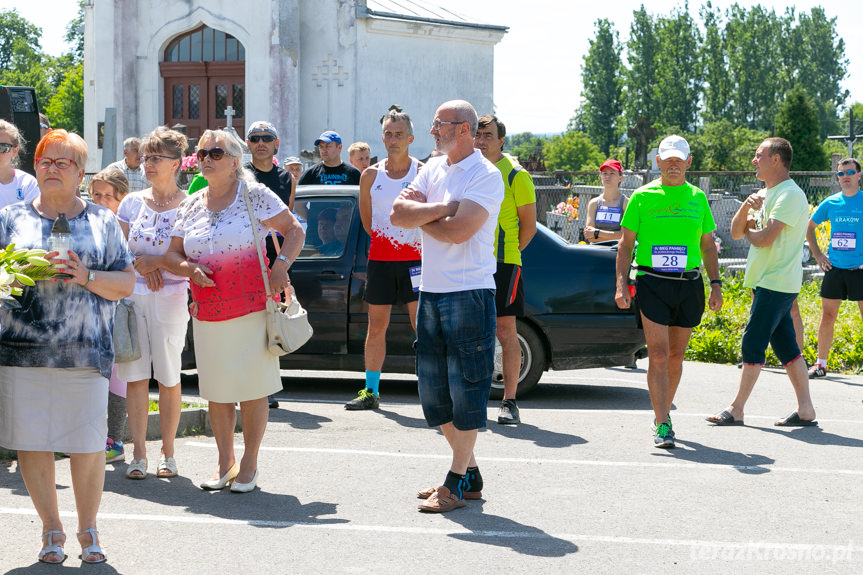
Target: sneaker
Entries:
(508, 413)
(817, 370)
(365, 399)
(274, 403)
(663, 436)
(114, 451)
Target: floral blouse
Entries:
(150, 233)
(223, 242)
(62, 324)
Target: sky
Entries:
(543, 51)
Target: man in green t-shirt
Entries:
(516, 226)
(774, 221)
(671, 220)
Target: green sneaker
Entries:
(663, 436)
(365, 399)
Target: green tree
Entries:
(678, 72)
(525, 145)
(721, 145)
(714, 54)
(15, 29)
(602, 87)
(571, 151)
(754, 40)
(66, 108)
(641, 95)
(797, 122)
(816, 60)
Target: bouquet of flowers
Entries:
(569, 208)
(190, 164)
(24, 266)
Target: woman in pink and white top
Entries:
(147, 218)
(214, 246)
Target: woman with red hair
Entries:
(56, 349)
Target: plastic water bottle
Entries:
(60, 241)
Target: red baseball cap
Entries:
(612, 164)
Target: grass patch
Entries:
(154, 405)
(717, 339)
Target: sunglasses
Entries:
(840, 173)
(267, 139)
(215, 153)
(6, 148)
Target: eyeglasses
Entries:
(267, 138)
(6, 148)
(840, 173)
(156, 158)
(437, 124)
(215, 153)
(61, 163)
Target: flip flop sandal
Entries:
(167, 467)
(793, 420)
(723, 418)
(51, 548)
(92, 549)
(137, 469)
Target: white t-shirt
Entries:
(22, 188)
(150, 234)
(448, 267)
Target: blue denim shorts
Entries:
(455, 356)
(770, 322)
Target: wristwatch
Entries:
(717, 282)
(90, 277)
(284, 258)
(596, 234)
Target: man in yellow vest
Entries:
(516, 226)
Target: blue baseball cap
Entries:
(329, 136)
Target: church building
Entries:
(305, 65)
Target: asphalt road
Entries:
(577, 488)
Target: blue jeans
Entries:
(455, 356)
(770, 322)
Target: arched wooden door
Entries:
(204, 72)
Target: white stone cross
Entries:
(229, 116)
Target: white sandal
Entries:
(167, 467)
(93, 548)
(139, 466)
(50, 548)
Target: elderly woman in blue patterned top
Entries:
(56, 351)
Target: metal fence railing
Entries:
(725, 191)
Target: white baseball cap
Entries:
(673, 147)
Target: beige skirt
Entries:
(233, 361)
(53, 409)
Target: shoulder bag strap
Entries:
(257, 242)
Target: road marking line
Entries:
(585, 462)
(639, 412)
(346, 526)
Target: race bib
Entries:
(608, 215)
(668, 258)
(416, 272)
(844, 241)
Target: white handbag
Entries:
(288, 327)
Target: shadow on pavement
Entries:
(258, 508)
(747, 463)
(504, 532)
(70, 563)
(540, 437)
(403, 420)
(298, 419)
(814, 436)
